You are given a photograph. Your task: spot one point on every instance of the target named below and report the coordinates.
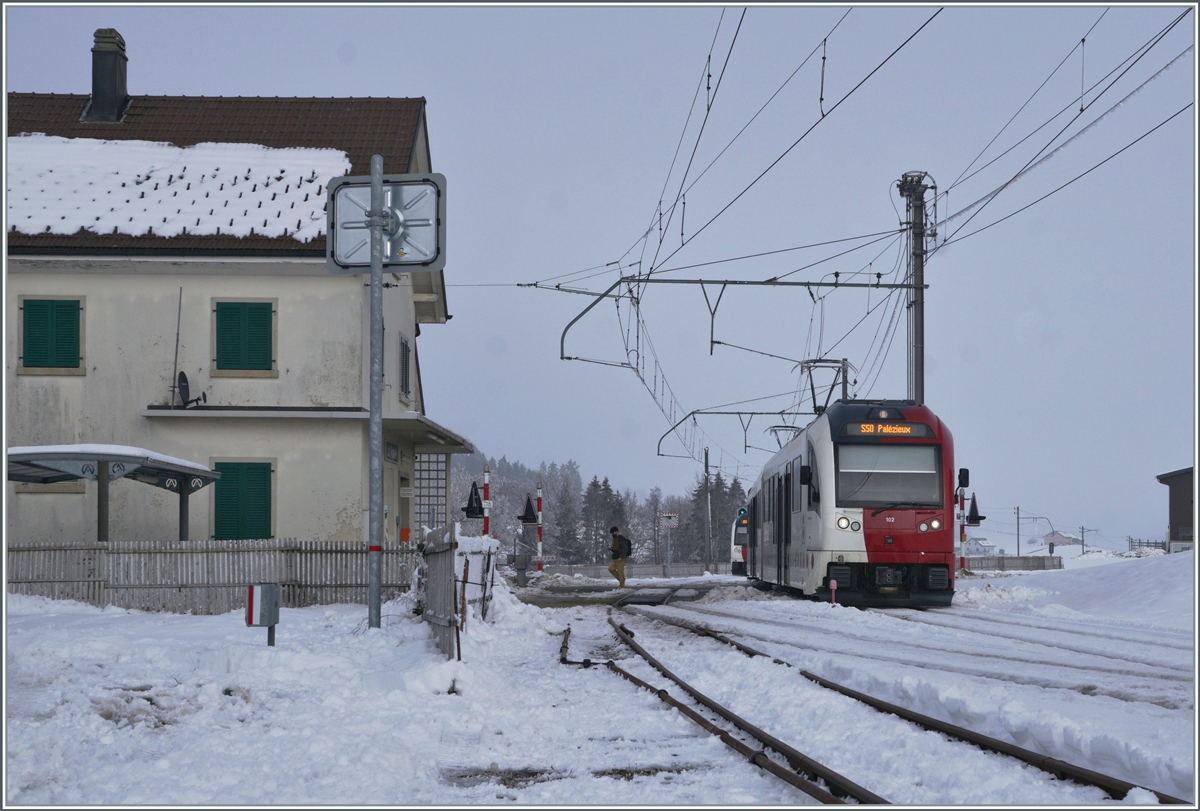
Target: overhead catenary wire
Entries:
(1094, 123)
(992, 196)
(699, 135)
(1069, 182)
(796, 143)
(764, 105)
(1140, 50)
(958, 179)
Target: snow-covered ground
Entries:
(1094, 665)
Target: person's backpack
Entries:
(626, 547)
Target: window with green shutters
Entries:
(244, 333)
(243, 500)
(50, 336)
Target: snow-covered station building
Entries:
(152, 235)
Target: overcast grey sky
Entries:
(1060, 343)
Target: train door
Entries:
(752, 552)
(812, 519)
(777, 520)
(786, 523)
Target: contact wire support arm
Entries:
(798, 760)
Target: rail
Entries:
(1116, 788)
(757, 757)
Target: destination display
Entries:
(913, 429)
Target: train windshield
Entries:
(876, 475)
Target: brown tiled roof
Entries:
(359, 127)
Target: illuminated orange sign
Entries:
(886, 429)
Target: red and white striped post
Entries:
(487, 503)
(539, 525)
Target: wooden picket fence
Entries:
(204, 577)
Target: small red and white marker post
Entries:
(262, 608)
(833, 592)
(487, 503)
(539, 525)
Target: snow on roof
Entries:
(61, 185)
(87, 449)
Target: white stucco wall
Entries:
(129, 344)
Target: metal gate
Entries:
(440, 595)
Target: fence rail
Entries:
(1138, 543)
(1009, 563)
(600, 570)
(203, 577)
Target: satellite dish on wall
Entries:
(185, 391)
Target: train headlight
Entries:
(843, 522)
(854, 525)
(936, 523)
(923, 527)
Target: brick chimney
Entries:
(109, 94)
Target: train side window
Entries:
(814, 487)
(797, 488)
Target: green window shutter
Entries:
(37, 342)
(66, 334)
(243, 500)
(258, 336)
(228, 500)
(244, 332)
(51, 333)
(229, 335)
(404, 378)
(256, 490)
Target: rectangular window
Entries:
(50, 333)
(244, 335)
(878, 475)
(405, 385)
(242, 500)
(814, 486)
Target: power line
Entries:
(1141, 49)
(1026, 104)
(1063, 186)
(993, 195)
(764, 106)
(775, 162)
(699, 135)
(1030, 167)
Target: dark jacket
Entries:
(619, 543)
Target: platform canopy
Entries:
(47, 464)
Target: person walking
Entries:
(621, 549)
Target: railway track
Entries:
(1182, 640)
(1165, 687)
(805, 771)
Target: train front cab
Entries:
(887, 533)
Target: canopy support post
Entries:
(102, 502)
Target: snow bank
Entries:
(1152, 589)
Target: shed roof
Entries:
(358, 127)
(47, 464)
(1163, 477)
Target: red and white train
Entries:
(863, 497)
